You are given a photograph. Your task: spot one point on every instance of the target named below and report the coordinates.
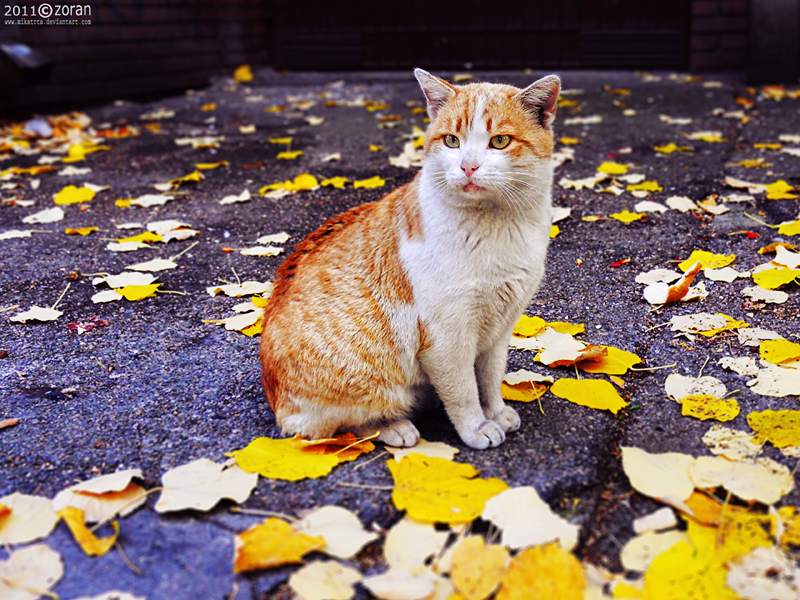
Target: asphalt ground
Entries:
(157, 387)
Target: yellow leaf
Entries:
(345, 446)
(705, 406)
(546, 572)
(147, 236)
(254, 329)
(616, 362)
(751, 163)
(372, 182)
(525, 391)
(709, 260)
(529, 326)
(569, 141)
(138, 292)
(80, 230)
(780, 191)
(243, 74)
(289, 155)
(738, 533)
(477, 568)
(568, 328)
(683, 568)
(375, 148)
(207, 166)
(792, 228)
(191, 177)
(594, 393)
(259, 301)
(282, 459)
(730, 325)
(779, 351)
(209, 106)
(302, 182)
(645, 186)
(435, 489)
(780, 427)
(554, 231)
(73, 195)
(768, 146)
(672, 147)
(790, 516)
(627, 216)
(123, 202)
(89, 543)
(771, 279)
(337, 182)
(282, 140)
(612, 168)
(272, 543)
(710, 136)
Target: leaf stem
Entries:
(61, 296)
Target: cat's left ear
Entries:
(437, 91)
(541, 99)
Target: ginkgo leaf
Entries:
(410, 544)
(303, 182)
(209, 166)
(627, 216)
(73, 195)
(656, 276)
(289, 154)
(726, 274)
(594, 393)
(89, 543)
(779, 351)
(28, 518)
(246, 288)
(779, 427)
(270, 544)
(650, 206)
(345, 446)
(759, 294)
(30, 572)
(324, 580)
(80, 230)
(705, 406)
(787, 228)
(282, 459)
(681, 203)
(148, 200)
(612, 168)
(762, 479)
(104, 497)
(138, 292)
(771, 279)
(36, 313)
(664, 476)
(708, 259)
(477, 567)
(707, 136)
(201, 484)
(106, 296)
(524, 391)
(546, 571)
(233, 198)
(341, 529)
(439, 449)
(434, 489)
(526, 520)
(614, 362)
(372, 182)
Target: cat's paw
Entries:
(508, 419)
(400, 434)
(488, 434)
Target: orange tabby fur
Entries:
(347, 330)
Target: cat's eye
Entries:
(499, 142)
(451, 141)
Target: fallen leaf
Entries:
(157, 264)
(650, 206)
(705, 406)
(275, 238)
(434, 489)
(663, 518)
(594, 393)
(707, 136)
(708, 260)
(344, 537)
(36, 313)
(731, 443)
(672, 147)
(779, 427)
(8, 235)
(611, 168)
(336, 182)
(30, 572)
(26, 518)
(705, 324)
(614, 362)
(246, 288)
(779, 351)
(89, 543)
(324, 580)
(663, 476)
(73, 195)
(640, 551)
(546, 571)
(243, 74)
(270, 544)
(438, 449)
(232, 199)
(133, 293)
(80, 230)
(645, 186)
(282, 459)
(771, 279)
(744, 365)
(776, 381)
(49, 215)
(727, 274)
(201, 484)
(372, 182)
(147, 236)
(400, 584)
(679, 386)
(762, 479)
(780, 191)
(681, 203)
(764, 574)
(477, 567)
(627, 216)
(526, 520)
(659, 292)
(410, 544)
(289, 154)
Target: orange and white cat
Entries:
(424, 286)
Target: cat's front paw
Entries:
(489, 434)
(508, 419)
(400, 434)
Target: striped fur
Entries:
(424, 286)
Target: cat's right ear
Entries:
(437, 91)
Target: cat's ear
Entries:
(541, 99)
(437, 91)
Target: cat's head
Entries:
(490, 142)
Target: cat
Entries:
(424, 286)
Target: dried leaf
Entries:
(663, 476)
(80, 230)
(104, 497)
(705, 406)
(410, 544)
(438, 449)
(282, 459)
(640, 551)
(289, 154)
(400, 584)
(89, 543)
(344, 537)
(594, 393)
(764, 574)
(270, 544)
(477, 567)
(26, 519)
(679, 386)
(546, 571)
(705, 324)
(776, 381)
(762, 480)
(681, 203)
(49, 215)
(779, 351)
(30, 572)
(324, 580)
(708, 259)
(614, 362)
(134, 293)
(661, 293)
(663, 518)
(434, 489)
(157, 264)
(36, 313)
(779, 427)
(201, 484)
(731, 443)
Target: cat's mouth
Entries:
(471, 187)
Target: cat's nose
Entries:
(469, 167)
